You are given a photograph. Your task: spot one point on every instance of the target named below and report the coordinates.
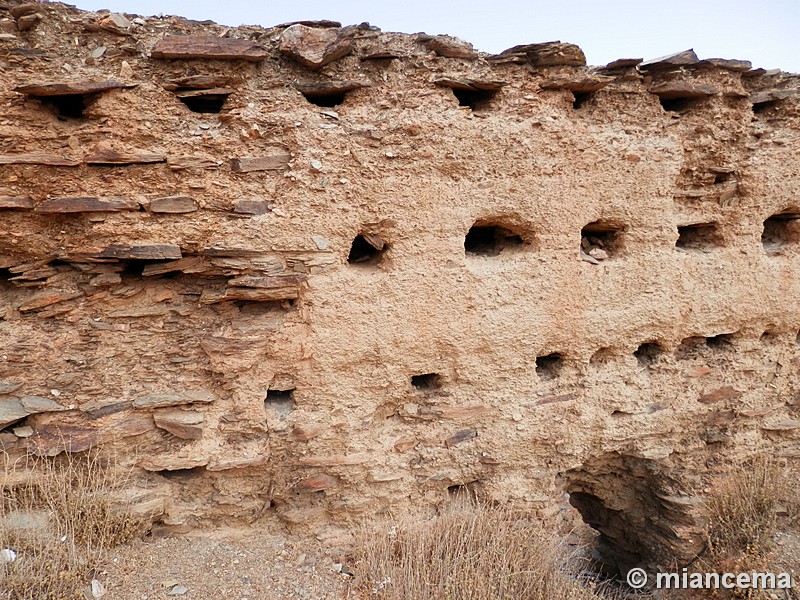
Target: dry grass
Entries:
(466, 553)
(743, 511)
(60, 516)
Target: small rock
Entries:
(119, 20)
(598, 253)
(125, 70)
(98, 52)
(316, 165)
(320, 242)
(28, 21)
(23, 432)
(315, 48)
(97, 589)
(178, 590)
(7, 555)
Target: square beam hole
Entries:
(601, 240)
(325, 99)
(67, 106)
(680, 104)
(280, 402)
(427, 381)
(366, 250)
(699, 236)
(781, 229)
(581, 98)
(549, 366)
(647, 353)
(490, 240)
(205, 103)
(473, 98)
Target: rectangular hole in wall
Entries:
(426, 381)
(549, 366)
(601, 240)
(647, 353)
(781, 229)
(699, 236)
(279, 402)
(680, 104)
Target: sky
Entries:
(766, 32)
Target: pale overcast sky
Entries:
(766, 32)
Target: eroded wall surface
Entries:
(315, 273)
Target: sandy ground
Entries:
(231, 564)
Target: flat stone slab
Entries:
(173, 399)
(671, 61)
(683, 89)
(142, 252)
(71, 88)
(246, 164)
(112, 157)
(208, 47)
(547, 54)
(184, 424)
(38, 158)
(314, 48)
(85, 204)
(173, 205)
(15, 203)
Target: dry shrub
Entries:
(743, 512)
(60, 516)
(466, 553)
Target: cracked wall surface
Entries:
(314, 273)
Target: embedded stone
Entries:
(184, 424)
(547, 54)
(724, 393)
(451, 47)
(252, 207)
(671, 61)
(461, 436)
(71, 88)
(47, 299)
(315, 483)
(132, 157)
(173, 205)
(38, 158)
(683, 89)
(11, 411)
(314, 47)
(174, 399)
(85, 204)
(15, 203)
(208, 47)
(143, 252)
(40, 404)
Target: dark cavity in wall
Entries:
(699, 236)
(633, 505)
(647, 353)
(601, 240)
(581, 98)
(475, 99)
(490, 240)
(549, 366)
(680, 104)
(781, 229)
(427, 381)
(722, 341)
(765, 107)
(366, 250)
(67, 106)
(465, 492)
(203, 102)
(325, 99)
(281, 402)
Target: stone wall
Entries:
(315, 273)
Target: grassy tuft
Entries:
(467, 553)
(60, 516)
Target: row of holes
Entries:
(549, 366)
(598, 239)
(71, 106)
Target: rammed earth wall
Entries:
(314, 273)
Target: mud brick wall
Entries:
(314, 273)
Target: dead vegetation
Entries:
(745, 510)
(60, 525)
(467, 552)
